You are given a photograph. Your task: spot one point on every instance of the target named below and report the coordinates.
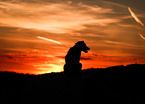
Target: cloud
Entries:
(53, 17)
(135, 17)
(30, 63)
(86, 58)
(135, 4)
(106, 27)
(121, 43)
(17, 67)
(115, 4)
(142, 36)
(82, 57)
(103, 61)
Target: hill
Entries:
(116, 85)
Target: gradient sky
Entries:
(105, 25)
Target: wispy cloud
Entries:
(54, 41)
(106, 27)
(57, 17)
(142, 36)
(122, 44)
(135, 17)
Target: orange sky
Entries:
(106, 26)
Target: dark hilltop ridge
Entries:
(112, 85)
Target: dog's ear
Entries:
(79, 42)
(82, 42)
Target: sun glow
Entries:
(48, 68)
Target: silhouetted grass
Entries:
(114, 85)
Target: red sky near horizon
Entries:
(106, 26)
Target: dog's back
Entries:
(73, 56)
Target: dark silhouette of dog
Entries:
(73, 67)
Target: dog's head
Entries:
(81, 45)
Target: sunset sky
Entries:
(107, 27)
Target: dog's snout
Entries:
(88, 48)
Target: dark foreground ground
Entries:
(113, 85)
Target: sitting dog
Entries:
(72, 68)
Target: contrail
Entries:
(48, 39)
(135, 17)
(137, 20)
(142, 36)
